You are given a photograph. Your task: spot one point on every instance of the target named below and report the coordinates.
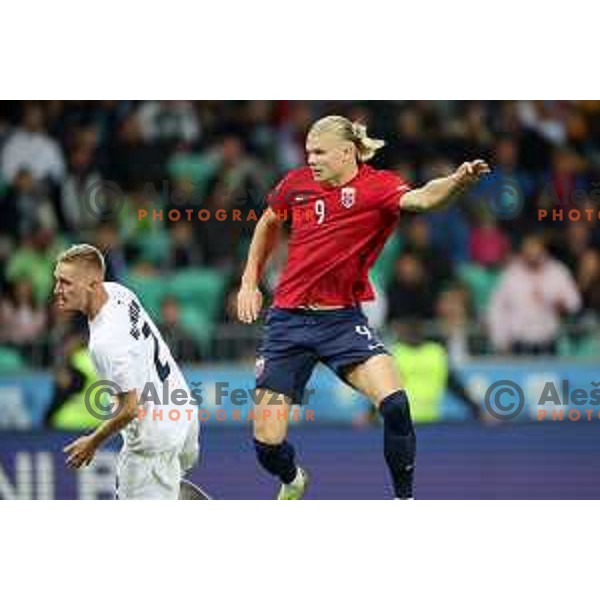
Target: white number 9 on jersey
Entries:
(320, 211)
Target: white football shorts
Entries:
(156, 476)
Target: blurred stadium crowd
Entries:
(488, 275)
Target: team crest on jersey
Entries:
(348, 197)
(259, 367)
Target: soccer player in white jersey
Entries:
(128, 351)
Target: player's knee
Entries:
(270, 422)
(269, 431)
(395, 411)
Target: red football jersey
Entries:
(337, 234)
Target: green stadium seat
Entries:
(150, 290)
(155, 248)
(202, 289)
(199, 326)
(481, 283)
(587, 347)
(383, 269)
(10, 360)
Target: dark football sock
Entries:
(399, 442)
(277, 459)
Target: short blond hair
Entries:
(351, 131)
(86, 254)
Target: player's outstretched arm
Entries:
(81, 452)
(439, 192)
(249, 299)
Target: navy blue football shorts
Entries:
(294, 340)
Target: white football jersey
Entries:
(128, 349)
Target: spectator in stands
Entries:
(292, 130)
(428, 373)
(25, 207)
(34, 259)
(175, 335)
(183, 194)
(133, 162)
(259, 130)
(534, 292)
(145, 238)
(9, 208)
(507, 183)
(489, 246)
(81, 201)
(588, 279)
(565, 179)
(574, 240)
(418, 243)
(409, 140)
(30, 148)
(23, 319)
(184, 250)
(237, 182)
(73, 374)
(410, 295)
(545, 117)
(168, 121)
(453, 315)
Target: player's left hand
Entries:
(80, 452)
(469, 172)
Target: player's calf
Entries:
(273, 452)
(399, 442)
(271, 420)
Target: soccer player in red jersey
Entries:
(342, 213)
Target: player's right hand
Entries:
(249, 303)
(81, 452)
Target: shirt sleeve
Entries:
(498, 312)
(279, 197)
(393, 188)
(567, 290)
